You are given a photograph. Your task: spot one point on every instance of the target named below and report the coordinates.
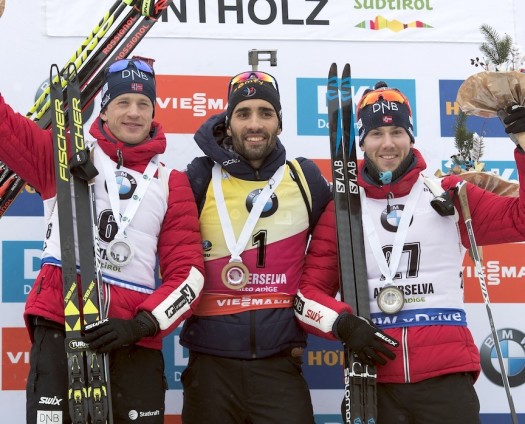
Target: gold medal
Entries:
(235, 275)
(390, 299)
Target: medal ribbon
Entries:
(390, 271)
(113, 191)
(237, 247)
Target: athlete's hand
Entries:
(367, 341)
(515, 120)
(513, 117)
(113, 333)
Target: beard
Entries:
(254, 151)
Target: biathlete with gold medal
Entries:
(256, 212)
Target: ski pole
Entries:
(465, 210)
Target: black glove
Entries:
(515, 120)
(113, 333)
(364, 339)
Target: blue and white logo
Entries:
(20, 266)
(449, 110)
(312, 110)
(512, 344)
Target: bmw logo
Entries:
(269, 208)
(512, 344)
(390, 220)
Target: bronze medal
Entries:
(235, 275)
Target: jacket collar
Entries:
(399, 188)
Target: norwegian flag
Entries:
(387, 119)
(135, 86)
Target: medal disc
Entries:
(235, 275)
(119, 252)
(390, 299)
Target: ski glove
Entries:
(515, 120)
(113, 333)
(364, 339)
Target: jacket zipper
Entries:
(406, 362)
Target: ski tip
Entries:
(333, 68)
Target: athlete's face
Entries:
(387, 146)
(129, 117)
(254, 127)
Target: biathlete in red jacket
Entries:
(161, 220)
(411, 247)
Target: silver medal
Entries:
(390, 299)
(120, 251)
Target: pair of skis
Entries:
(96, 50)
(71, 90)
(359, 403)
(89, 396)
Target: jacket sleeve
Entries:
(316, 307)
(27, 150)
(180, 258)
(495, 219)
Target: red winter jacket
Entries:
(424, 351)
(28, 151)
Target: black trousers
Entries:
(236, 391)
(449, 399)
(137, 382)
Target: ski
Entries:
(75, 347)
(83, 172)
(359, 404)
(82, 53)
(88, 390)
(91, 68)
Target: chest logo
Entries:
(269, 208)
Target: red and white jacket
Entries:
(166, 222)
(427, 348)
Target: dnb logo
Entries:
(312, 111)
(20, 266)
(513, 351)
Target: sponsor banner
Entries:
(325, 165)
(15, 358)
(510, 330)
(355, 20)
(27, 203)
(323, 364)
(504, 271)
(185, 102)
(505, 169)
(449, 110)
(20, 266)
(175, 359)
(312, 110)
